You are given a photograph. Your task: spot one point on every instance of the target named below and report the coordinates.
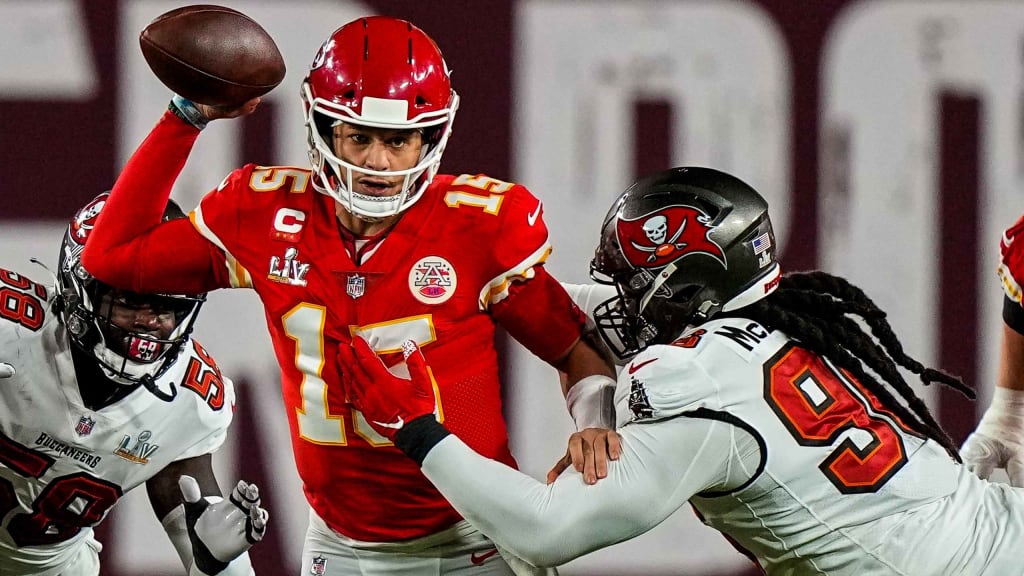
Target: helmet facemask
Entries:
(384, 73)
(334, 176)
(95, 317)
(105, 324)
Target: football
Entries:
(212, 55)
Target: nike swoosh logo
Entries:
(633, 368)
(532, 217)
(478, 559)
(397, 424)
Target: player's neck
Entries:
(96, 389)
(361, 227)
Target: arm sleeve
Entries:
(662, 465)
(540, 315)
(130, 248)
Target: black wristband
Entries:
(419, 436)
(187, 111)
(1013, 314)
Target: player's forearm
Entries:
(516, 511)
(138, 199)
(550, 524)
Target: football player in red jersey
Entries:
(370, 242)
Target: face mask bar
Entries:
(335, 176)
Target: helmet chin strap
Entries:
(150, 385)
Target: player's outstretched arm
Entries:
(998, 441)
(545, 525)
(211, 535)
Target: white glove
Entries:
(221, 530)
(998, 441)
(6, 370)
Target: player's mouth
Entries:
(376, 187)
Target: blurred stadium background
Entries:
(887, 135)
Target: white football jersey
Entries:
(793, 460)
(842, 485)
(62, 465)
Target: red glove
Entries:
(387, 401)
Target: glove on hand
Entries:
(998, 441)
(387, 401)
(222, 530)
(6, 370)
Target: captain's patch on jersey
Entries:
(432, 280)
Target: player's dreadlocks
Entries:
(815, 308)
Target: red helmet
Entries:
(377, 72)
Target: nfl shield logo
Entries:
(356, 286)
(84, 426)
(319, 566)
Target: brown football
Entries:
(212, 55)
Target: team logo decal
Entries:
(321, 55)
(432, 280)
(84, 427)
(639, 403)
(655, 239)
(288, 270)
(139, 452)
(85, 219)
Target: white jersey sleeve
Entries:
(589, 296)
(662, 465)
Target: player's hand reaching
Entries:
(221, 530)
(387, 401)
(983, 454)
(588, 452)
(998, 441)
(6, 370)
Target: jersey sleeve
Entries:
(129, 247)
(541, 316)
(662, 465)
(589, 296)
(1011, 264)
(218, 219)
(519, 246)
(663, 382)
(522, 297)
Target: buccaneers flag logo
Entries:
(655, 239)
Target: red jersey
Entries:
(434, 278)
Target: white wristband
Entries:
(591, 402)
(1004, 418)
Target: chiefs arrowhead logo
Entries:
(657, 238)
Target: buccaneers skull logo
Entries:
(655, 239)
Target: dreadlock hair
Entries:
(817, 309)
